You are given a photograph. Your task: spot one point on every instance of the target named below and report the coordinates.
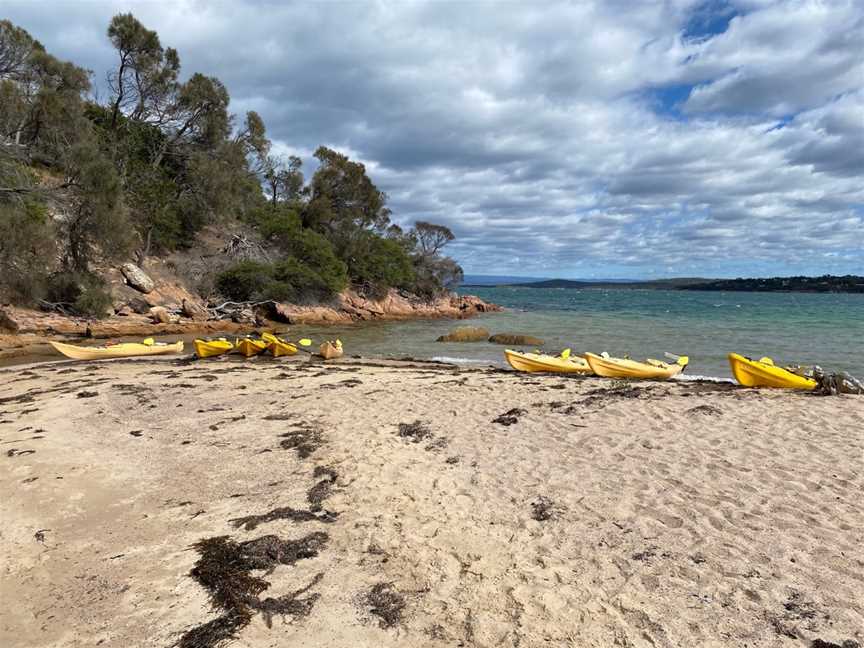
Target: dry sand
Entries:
(672, 515)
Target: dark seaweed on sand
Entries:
(251, 522)
(542, 509)
(386, 603)
(510, 416)
(414, 432)
(321, 490)
(225, 569)
(304, 439)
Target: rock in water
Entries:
(465, 334)
(137, 278)
(516, 339)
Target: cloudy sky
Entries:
(615, 138)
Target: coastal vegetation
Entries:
(141, 167)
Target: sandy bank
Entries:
(512, 511)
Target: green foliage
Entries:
(379, 264)
(27, 239)
(83, 291)
(244, 281)
(161, 160)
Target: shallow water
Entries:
(824, 329)
(790, 327)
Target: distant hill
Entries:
(658, 284)
(823, 284)
(496, 280)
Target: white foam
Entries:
(694, 377)
(460, 360)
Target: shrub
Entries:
(380, 264)
(84, 292)
(244, 281)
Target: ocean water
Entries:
(824, 329)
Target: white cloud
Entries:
(550, 133)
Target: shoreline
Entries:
(431, 505)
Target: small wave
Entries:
(460, 360)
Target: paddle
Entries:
(681, 360)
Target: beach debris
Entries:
(251, 522)
(15, 452)
(414, 432)
(349, 382)
(437, 443)
(796, 609)
(846, 643)
(465, 334)
(836, 383)
(510, 416)
(224, 569)
(304, 439)
(321, 490)
(544, 508)
(87, 394)
(386, 603)
(709, 410)
(40, 535)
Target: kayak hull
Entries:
(278, 348)
(537, 362)
(122, 350)
(752, 373)
(249, 347)
(330, 351)
(212, 348)
(625, 368)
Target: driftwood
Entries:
(241, 248)
(64, 308)
(238, 311)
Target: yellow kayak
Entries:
(533, 362)
(210, 348)
(121, 350)
(277, 346)
(249, 347)
(626, 368)
(763, 373)
(331, 350)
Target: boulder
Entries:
(160, 315)
(195, 311)
(139, 306)
(125, 311)
(137, 278)
(465, 334)
(515, 339)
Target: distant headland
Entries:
(823, 284)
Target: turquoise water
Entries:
(790, 327)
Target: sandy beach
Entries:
(419, 504)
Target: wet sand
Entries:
(413, 504)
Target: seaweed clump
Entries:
(251, 522)
(321, 490)
(304, 440)
(510, 416)
(225, 569)
(386, 603)
(414, 432)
